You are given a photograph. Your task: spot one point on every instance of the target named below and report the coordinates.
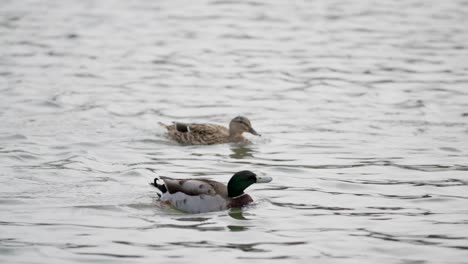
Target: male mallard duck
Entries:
(207, 134)
(203, 195)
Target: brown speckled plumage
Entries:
(207, 134)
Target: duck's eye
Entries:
(243, 123)
(252, 178)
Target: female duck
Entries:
(203, 195)
(207, 134)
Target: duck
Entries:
(208, 134)
(205, 195)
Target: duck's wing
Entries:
(207, 129)
(199, 129)
(194, 128)
(209, 133)
(196, 134)
(195, 187)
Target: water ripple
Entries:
(361, 107)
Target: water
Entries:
(363, 107)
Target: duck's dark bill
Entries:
(253, 132)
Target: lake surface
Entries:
(362, 107)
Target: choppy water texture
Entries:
(363, 107)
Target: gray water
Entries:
(363, 107)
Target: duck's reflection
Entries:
(241, 152)
(237, 214)
(234, 228)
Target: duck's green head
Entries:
(243, 179)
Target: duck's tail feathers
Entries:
(161, 187)
(163, 125)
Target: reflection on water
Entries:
(241, 152)
(237, 214)
(234, 228)
(361, 106)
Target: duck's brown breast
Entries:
(240, 201)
